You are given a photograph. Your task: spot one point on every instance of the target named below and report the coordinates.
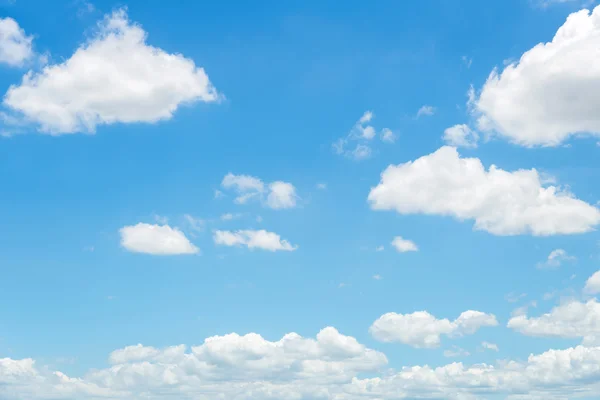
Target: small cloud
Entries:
(259, 219)
(513, 297)
(467, 61)
(362, 133)
(425, 111)
(555, 259)
(377, 277)
(219, 194)
(195, 224)
(404, 245)
(343, 285)
(253, 239)
(230, 216)
(461, 136)
(89, 249)
(111, 297)
(489, 346)
(322, 186)
(379, 248)
(156, 240)
(160, 219)
(456, 352)
(388, 136)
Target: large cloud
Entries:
(552, 92)
(156, 240)
(249, 367)
(114, 77)
(422, 330)
(500, 202)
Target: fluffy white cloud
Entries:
(500, 202)
(276, 195)
(328, 367)
(551, 93)
(253, 239)
(592, 285)
(114, 77)
(573, 319)
(461, 136)
(404, 245)
(156, 240)
(422, 330)
(425, 110)
(15, 45)
(555, 259)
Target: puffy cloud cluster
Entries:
(423, 330)
(499, 201)
(276, 195)
(115, 77)
(362, 134)
(328, 367)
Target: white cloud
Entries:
(115, 77)
(276, 195)
(422, 330)
(425, 110)
(156, 240)
(490, 346)
(500, 202)
(195, 224)
(573, 319)
(551, 93)
(15, 45)
(253, 239)
(363, 134)
(230, 216)
(592, 285)
(388, 136)
(282, 195)
(456, 351)
(461, 136)
(322, 186)
(249, 367)
(404, 245)
(555, 259)
(513, 297)
(377, 277)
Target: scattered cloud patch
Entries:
(195, 224)
(555, 259)
(500, 202)
(404, 245)
(422, 330)
(277, 195)
(425, 111)
(467, 61)
(513, 297)
(253, 239)
(230, 216)
(322, 186)
(489, 346)
(115, 77)
(456, 352)
(361, 135)
(156, 240)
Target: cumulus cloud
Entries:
(573, 319)
(277, 195)
(115, 77)
(253, 239)
(461, 136)
(327, 367)
(423, 330)
(490, 346)
(403, 245)
(15, 45)
(425, 111)
(592, 285)
(362, 134)
(555, 259)
(551, 93)
(156, 240)
(500, 202)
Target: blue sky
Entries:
(400, 199)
